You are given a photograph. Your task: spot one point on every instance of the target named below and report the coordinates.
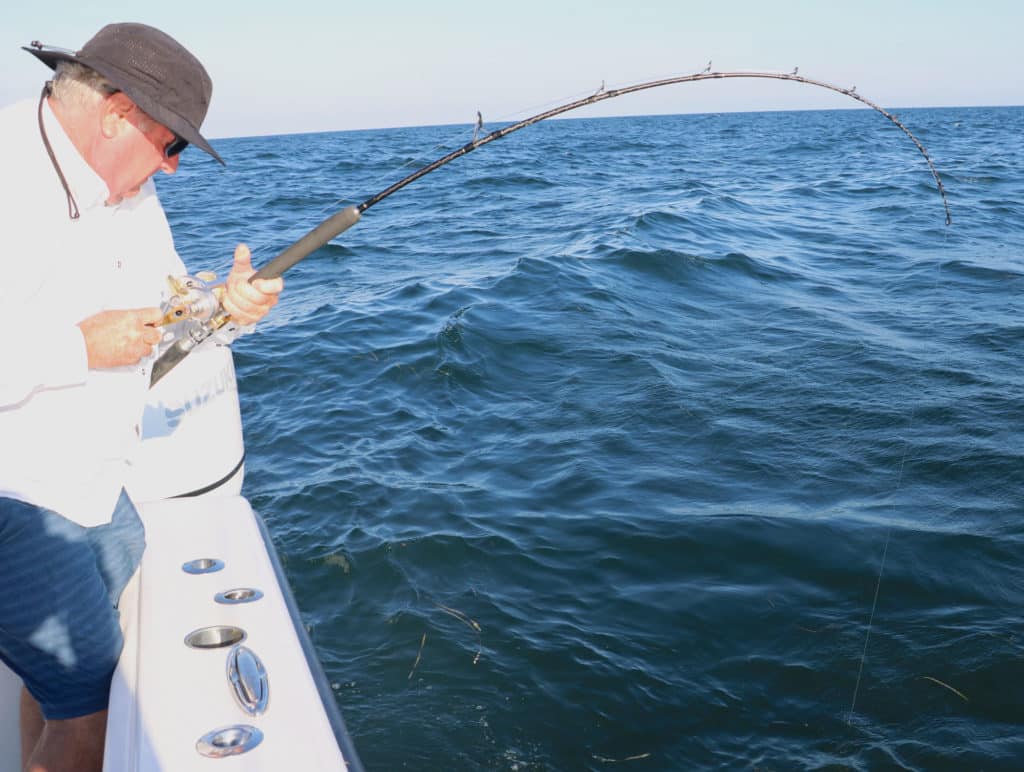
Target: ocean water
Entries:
(651, 443)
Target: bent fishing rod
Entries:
(204, 318)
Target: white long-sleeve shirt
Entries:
(67, 432)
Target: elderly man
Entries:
(86, 252)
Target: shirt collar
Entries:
(86, 185)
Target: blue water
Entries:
(687, 442)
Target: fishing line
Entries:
(881, 569)
(871, 619)
(195, 333)
(885, 549)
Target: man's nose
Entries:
(170, 165)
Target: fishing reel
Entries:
(190, 303)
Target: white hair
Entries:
(76, 85)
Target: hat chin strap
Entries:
(73, 212)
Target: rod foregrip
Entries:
(308, 244)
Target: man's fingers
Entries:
(120, 337)
(149, 332)
(269, 286)
(139, 352)
(246, 301)
(150, 317)
(245, 292)
(246, 312)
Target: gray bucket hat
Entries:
(167, 82)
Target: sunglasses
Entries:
(144, 124)
(174, 147)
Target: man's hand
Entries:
(118, 338)
(248, 303)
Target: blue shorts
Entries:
(60, 583)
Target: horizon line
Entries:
(507, 122)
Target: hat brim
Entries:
(174, 122)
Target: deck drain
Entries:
(229, 741)
(238, 595)
(202, 566)
(215, 637)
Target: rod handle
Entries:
(310, 243)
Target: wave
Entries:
(970, 269)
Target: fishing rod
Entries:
(203, 316)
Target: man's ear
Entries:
(114, 114)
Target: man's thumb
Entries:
(243, 258)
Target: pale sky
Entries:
(324, 65)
